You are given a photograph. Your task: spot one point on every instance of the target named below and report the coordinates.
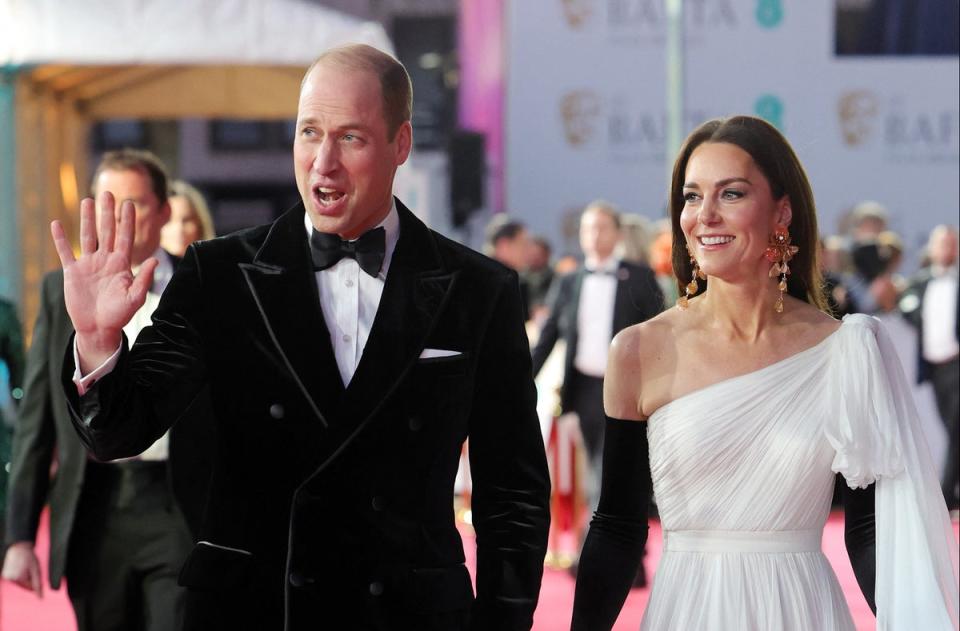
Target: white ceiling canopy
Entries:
(175, 31)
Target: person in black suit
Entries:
(931, 303)
(119, 532)
(586, 309)
(11, 354)
(349, 351)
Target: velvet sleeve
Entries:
(618, 531)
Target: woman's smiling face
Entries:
(729, 211)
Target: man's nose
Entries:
(327, 158)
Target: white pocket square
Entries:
(430, 353)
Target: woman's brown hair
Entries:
(776, 159)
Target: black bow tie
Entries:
(600, 272)
(368, 250)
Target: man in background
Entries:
(119, 531)
(587, 309)
(508, 242)
(931, 304)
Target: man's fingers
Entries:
(124, 240)
(107, 226)
(88, 227)
(62, 244)
(143, 280)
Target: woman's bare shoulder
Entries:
(636, 352)
(808, 323)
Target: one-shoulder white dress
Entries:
(743, 473)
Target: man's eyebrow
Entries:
(349, 125)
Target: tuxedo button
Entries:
(346, 338)
(299, 580)
(377, 503)
(376, 588)
(348, 283)
(277, 411)
(415, 423)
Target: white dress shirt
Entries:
(939, 318)
(349, 298)
(595, 318)
(160, 449)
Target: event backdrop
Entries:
(586, 108)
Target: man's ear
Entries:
(404, 140)
(165, 211)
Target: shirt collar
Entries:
(391, 228)
(163, 272)
(610, 266)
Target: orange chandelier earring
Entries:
(779, 252)
(692, 286)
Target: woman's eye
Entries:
(732, 194)
(690, 197)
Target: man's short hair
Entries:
(869, 211)
(395, 86)
(608, 209)
(505, 230)
(141, 161)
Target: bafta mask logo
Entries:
(577, 12)
(580, 111)
(857, 111)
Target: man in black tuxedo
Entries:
(586, 309)
(119, 531)
(932, 304)
(349, 352)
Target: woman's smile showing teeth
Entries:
(716, 239)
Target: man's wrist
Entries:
(93, 349)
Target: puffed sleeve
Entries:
(876, 435)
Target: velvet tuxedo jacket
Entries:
(45, 425)
(332, 507)
(638, 298)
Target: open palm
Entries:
(100, 291)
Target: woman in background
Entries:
(190, 219)
(751, 397)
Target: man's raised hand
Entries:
(100, 290)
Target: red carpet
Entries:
(22, 611)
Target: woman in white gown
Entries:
(752, 398)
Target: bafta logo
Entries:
(857, 111)
(580, 110)
(577, 11)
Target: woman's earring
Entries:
(779, 252)
(692, 286)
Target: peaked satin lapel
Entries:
(577, 279)
(284, 287)
(415, 292)
(623, 302)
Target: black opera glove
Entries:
(618, 532)
(860, 537)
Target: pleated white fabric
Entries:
(743, 473)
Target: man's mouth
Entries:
(326, 196)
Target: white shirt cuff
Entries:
(84, 383)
